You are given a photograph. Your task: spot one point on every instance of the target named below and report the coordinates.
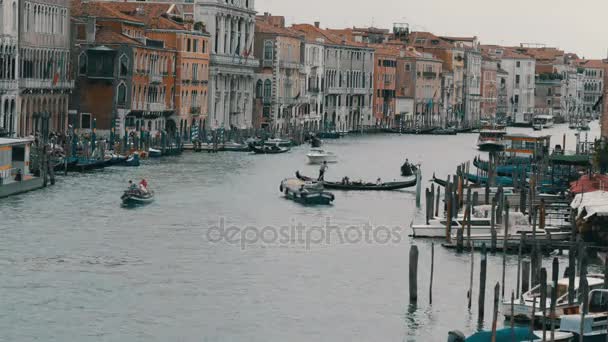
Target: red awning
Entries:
(589, 184)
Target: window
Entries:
(124, 65)
(122, 94)
(14, 15)
(194, 45)
(82, 64)
(517, 79)
(516, 99)
(85, 120)
(258, 89)
(188, 44)
(267, 89)
(268, 50)
(517, 64)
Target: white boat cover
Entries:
(591, 203)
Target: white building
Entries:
(231, 24)
(9, 72)
(520, 82)
(314, 69)
(472, 92)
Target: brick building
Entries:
(152, 67)
(385, 80)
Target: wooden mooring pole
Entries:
(413, 276)
(432, 271)
(482, 283)
(495, 315)
(504, 249)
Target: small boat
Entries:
(491, 140)
(137, 197)
(522, 307)
(83, 165)
(444, 131)
(408, 169)
(315, 142)
(594, 324)
(503, 170)
(329, 135)
(364, 186)
(154, 153)
(279, 142)
(306, 192)
(318, 156)
(268, 149)
(115, 159)
(542, 121)
(133, 160)
(235, 147)
(482, 180)
(517, 334)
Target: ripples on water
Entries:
(76, 266)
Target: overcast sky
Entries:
(574, 26)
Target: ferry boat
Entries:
(541, 122)
(15, 173)
(491, 140)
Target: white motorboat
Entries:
(318, 156)
(522, 307)
(593, 324)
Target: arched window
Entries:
(122, 94)
(268, 50)
(267, 89)
(258, 89)
(14, 15)
(82, 64)
(124, 65)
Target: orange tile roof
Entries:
(107, 36)
(591, 63)
(99, 10)
(312, 33)
(428, 40)
(264, 27)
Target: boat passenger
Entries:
(144, 183)
(132, 186)
(378, 181)
(19, 176)
(322, 170)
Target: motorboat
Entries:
(231, 146)
(347, 184)
(491, 140)
(306, 192)
(521, 308)
(318, 156)
(136, 197)
(593, 324)
(154, 153)
(541, 122)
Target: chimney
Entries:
(317, 24)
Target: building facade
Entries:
(489, 88)
(385, 74)
(593, 85)
(280, 79)
(231, 25)
(9, 67)
(44, 60)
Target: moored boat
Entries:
(154, 153)
(268, 149)
(306, 192)
(318, 156)
(278, 142)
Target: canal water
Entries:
(221, 256)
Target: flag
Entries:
(57, 72)
(48, 69)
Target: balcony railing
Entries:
(267, 63)
(9, 84)
(429, 74)
(44, 84)
(156, 107)
(289, 65)
(235, 60)
(156, 78)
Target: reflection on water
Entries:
(75, 266)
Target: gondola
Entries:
(364, 186)
(132, 198)
(268, 149)
(154, 153)
(440, 182)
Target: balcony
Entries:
(234, 60)
(155, 78)
(267, 101)
(44, 84)
(289, 65)
(9, 84)
(429, 74)
(313, 90)
(156, 107)
(267, 63)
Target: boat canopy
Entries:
(591, 204)
(574, 159)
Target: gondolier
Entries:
(322, 170)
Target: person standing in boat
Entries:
(322, 170)
(143, 186)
